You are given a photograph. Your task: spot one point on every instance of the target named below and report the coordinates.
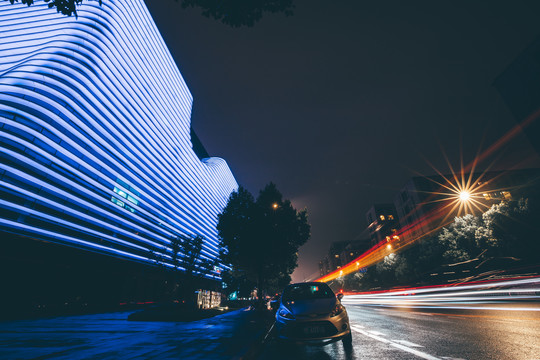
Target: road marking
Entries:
(407, 343)
(376, 333)
(488, 317)
(421, 354)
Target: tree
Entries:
(260, 238)
(458, 239)
(237, 13)
(509, 229)
(189, 265)
(234, 13)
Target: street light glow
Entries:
(464, 196)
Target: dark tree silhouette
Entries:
(239, 12)
(189, 265)
(234, 13)
(261, 238)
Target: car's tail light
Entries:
(338, 309)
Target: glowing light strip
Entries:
(466, 295)
(106, 86)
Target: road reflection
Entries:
(285, 350)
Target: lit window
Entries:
(352, 254)
(507, 195)
(125, 195)
(132, 199)
(117, 202)
(337, 255)
(130, 208)
(120, 192)
(382, 217)
(390, 217)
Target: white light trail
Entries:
(457, 297)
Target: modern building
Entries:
(383, 222)
(98, 157)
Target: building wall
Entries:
(95, 135)
(383, 222)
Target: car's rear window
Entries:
(307, 291)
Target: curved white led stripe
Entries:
(105, 86)
(79, 174)
(72, 144)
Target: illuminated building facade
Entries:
(383, 222)
(96, 145)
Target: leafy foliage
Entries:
(239, 12)
(234, 13)
(458, 239)
(260, 238)
(65, 7)
(187, 254)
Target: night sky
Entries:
(341, 104)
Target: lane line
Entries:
(376, 333)
(407, 343)
(418, 353)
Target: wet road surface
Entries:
(510, 332)
(111, 336)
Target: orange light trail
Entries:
(379, 251)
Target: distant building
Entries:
(354, 249)
(341, 253)
(324, 266)
(383, 222)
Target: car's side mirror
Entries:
(339, 296)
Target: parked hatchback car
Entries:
(312, 312)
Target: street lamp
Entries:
(275, 206)
(464, 196)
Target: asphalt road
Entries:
(508, 331)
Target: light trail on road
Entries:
(465, 296)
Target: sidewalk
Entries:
(234, 335)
